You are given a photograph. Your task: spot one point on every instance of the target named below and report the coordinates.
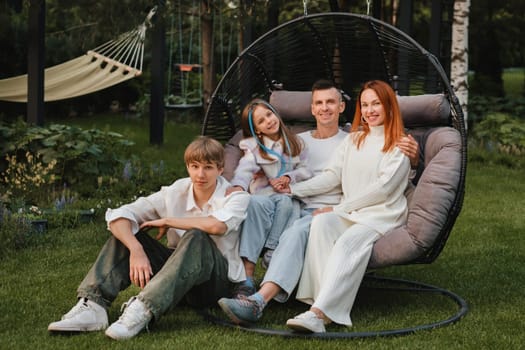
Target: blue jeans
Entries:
(267, 218)
(196, 271)
(288, 258)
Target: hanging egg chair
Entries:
(350, 49)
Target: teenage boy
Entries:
(201, 262)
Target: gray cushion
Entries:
(424, 110)
(232, 155)
(430, 201)
(292, 105)
(417, 111)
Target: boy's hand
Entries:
(140, 270)
(160, 224)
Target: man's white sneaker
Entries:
(85, 316)
(306, 322)
(135, 318)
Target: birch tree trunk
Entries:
(459, 55)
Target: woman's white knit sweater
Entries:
(373, 182)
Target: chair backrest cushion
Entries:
(292, 105)
(417, 111)
(429, 203)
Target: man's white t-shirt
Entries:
(319, 153)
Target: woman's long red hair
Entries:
(393, 124)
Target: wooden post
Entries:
(35, 62)
(207, 54)
(406, 10)
(156, 108)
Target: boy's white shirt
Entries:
(177, 200)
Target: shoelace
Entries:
(246, 302)
(77, 309)
(130, 318)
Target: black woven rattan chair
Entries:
(351, 49)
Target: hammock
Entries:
(112, 63)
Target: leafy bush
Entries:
(81, 156)
(481, 106)
(136, 178)
(16, 231)
(26, 178)
(498, 139)
(501, 132)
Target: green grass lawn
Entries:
(482, 262)
(514, 82)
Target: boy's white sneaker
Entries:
(85, 316)
(134, 319)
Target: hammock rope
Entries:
(109, 64)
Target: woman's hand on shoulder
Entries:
(409, 146)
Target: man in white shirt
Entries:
(287, 260)
(201, 262)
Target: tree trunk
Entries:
(273, 14)
(35, 63)
(246, 18)
(459, 55)
(344, 5)
(208, 68)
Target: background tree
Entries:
(497, 42)
(486, 50)
(208, 68)
(459, 57)
(495, 35)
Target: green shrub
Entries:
(135, 177)
(501, 132)
(16, 231)
(481, 106)
(26, 179)
(81, 156)
(498, 139)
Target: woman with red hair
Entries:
(373, 174)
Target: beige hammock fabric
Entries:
(80, 76)
(111, 63)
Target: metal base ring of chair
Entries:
(408, 286)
